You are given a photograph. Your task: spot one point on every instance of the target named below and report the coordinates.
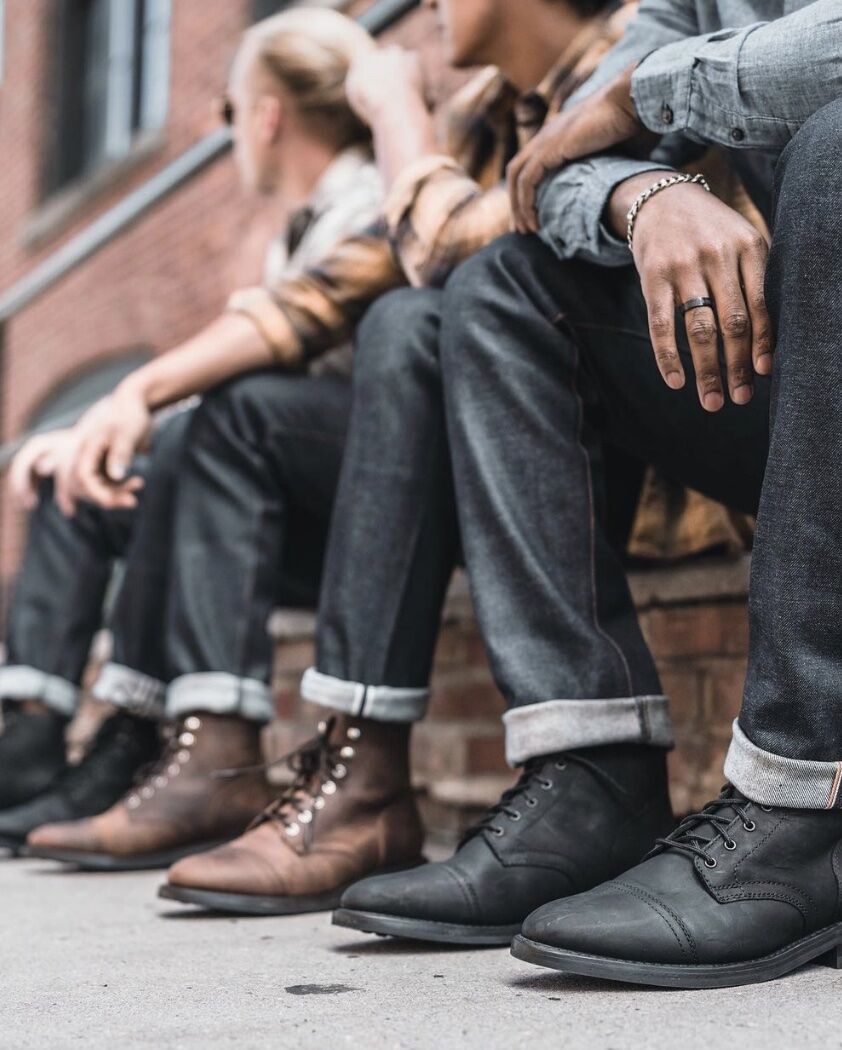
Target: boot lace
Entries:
(316, 765)
(534, 778)
(154, 776)
(695, 835)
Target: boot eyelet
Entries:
(173, 770)
(133, 802)
(561, 765)
(187, 739)
(710, 862)
(339, 771)
(147, 792)
(499, 832)
(514, 816)
(193, 723)
(322, 727)
(766, 809)
(329, 788)
(546, 784)
(318, 803)
(353, 733)
(347, 752)
(293, 830)
(305, 817)
(730, 846)
(182, 757)
(749, 826)
(160, 782)
(532, 802)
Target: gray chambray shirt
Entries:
(744, 74)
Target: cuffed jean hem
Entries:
(772, 780)
(561, 725)
(220, 693)
(20, 682)
(383, 703)
(133, 690)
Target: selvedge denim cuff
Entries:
(133, 690)
(773, 780)
(383, 703)
(21, 682)
(561, 725)
(219, 693)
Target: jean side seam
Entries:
(562, 319)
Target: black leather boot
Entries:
(739, 893)
(122, 744)
(571, 820)
(32, 752)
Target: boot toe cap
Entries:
(610, 921)
(430, 892)
(226, 869)
(71, 835)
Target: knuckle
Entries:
(666, 357)
(739, 374)
(709, 380)
(661, 325)
(735, 323)
(702, 331)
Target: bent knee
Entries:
(814, 149)
(399, 332)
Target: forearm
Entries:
(403, 133)
(228, 346)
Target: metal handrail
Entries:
(379, 17)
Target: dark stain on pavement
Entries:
(319, 989)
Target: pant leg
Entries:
(394, 539)
(57, 604)
(787, 747)
(543, 363)
(256, 489)
(135, 677)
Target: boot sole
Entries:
(257, 904)
(824, 946)
(111, 862)
(424, 929)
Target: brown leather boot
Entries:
(349, 812)
(179, 807)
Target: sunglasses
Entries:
(225, 110)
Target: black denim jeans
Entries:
(544, 364)
(232, 522)
(58, 603)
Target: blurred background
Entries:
(122, 230)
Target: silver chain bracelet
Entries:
(656, 187)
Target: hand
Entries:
(687, 243)
(104, 442)
(36, 460)
(604, 119)
(384, 79)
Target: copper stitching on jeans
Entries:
(561, 318)
(834, 787)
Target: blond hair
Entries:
(308, 52)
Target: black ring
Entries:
(697, 303)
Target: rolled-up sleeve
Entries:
(572, 202)
(747, 88)
(307, 314)
(437, 215)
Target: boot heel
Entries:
(833, 958)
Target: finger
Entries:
(753, 273)
(530, 178)
(513, 171)
(660, 306)
(703, 336)
(63, 489)
(118, 458)
(20, 477)
(88, 480)
(735, 325)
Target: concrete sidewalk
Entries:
(98, 961)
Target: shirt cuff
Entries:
(270, 320)
(401, 196)
(572, 203)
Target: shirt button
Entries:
(737, 134)
(666, 114)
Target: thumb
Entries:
(119, 457)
